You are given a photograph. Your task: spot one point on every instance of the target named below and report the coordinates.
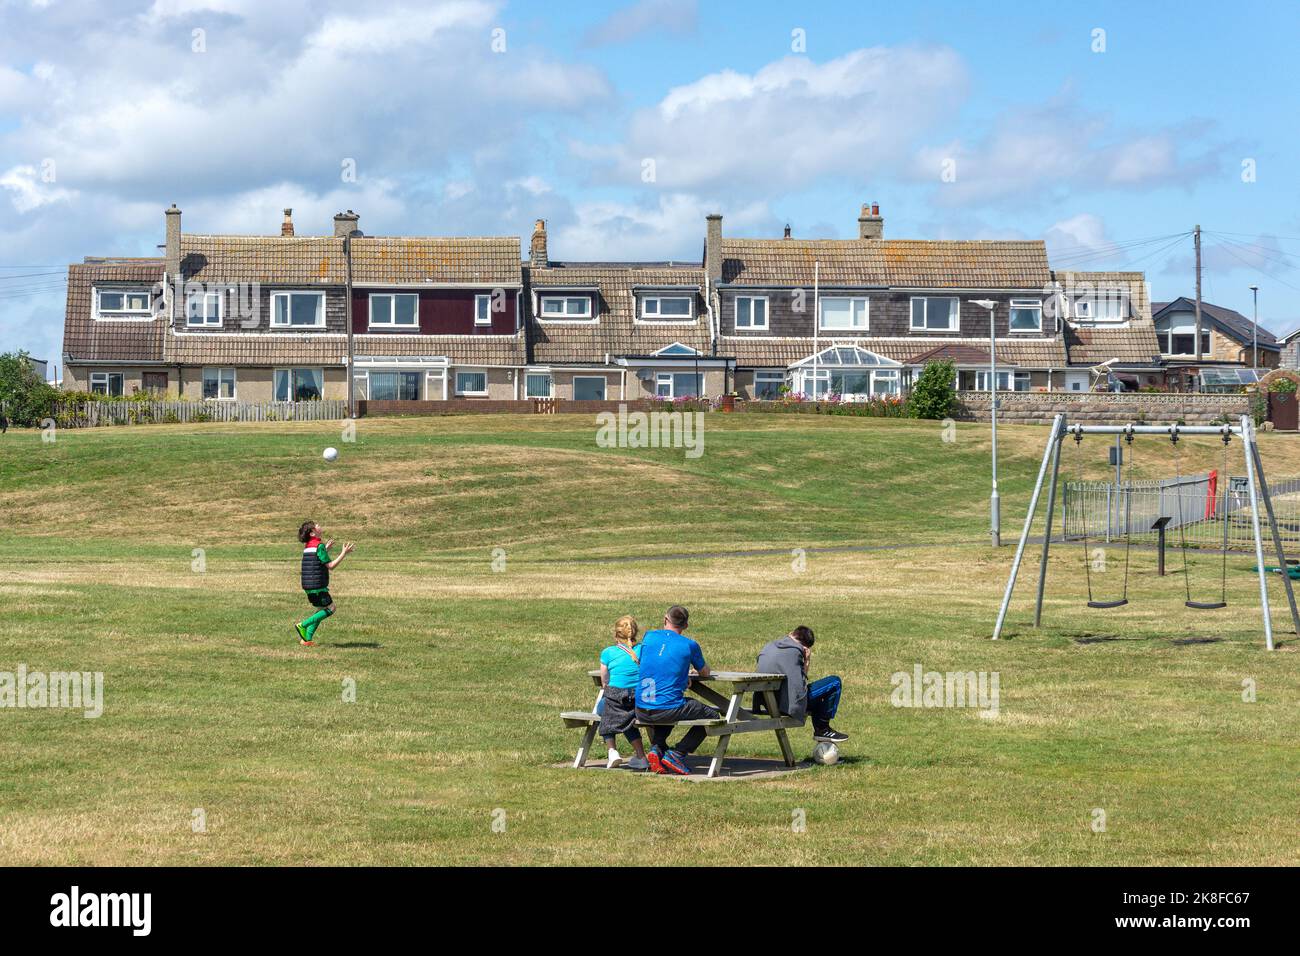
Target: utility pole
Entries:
(352, 377)
(1197, 239)
(1254, 362)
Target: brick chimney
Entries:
(713, 247)
(537, 255)
(173, 216)
(871, 225)
(345, 223)
(286, 227)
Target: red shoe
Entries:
(673, 763)
(656, 765)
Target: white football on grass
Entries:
(826, 753)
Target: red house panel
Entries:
(442, 312)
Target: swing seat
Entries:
(1205, 605)
(1104, 604)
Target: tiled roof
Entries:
(1230, 321)
(224, 348)
(616, 332)
(315, 260)
(905, 263)
(1133, 344)
(1092, 346)
(778, 352)
(85, 339)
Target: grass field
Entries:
(460, 669)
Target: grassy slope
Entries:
(461, 670)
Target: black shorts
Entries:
(320, 599)
(619, 716)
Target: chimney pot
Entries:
(870, 224)
(787, 230)
(537, 254)
(286, 228)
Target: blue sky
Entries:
(623, 124)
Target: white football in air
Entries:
(331, 454)
(826, 753)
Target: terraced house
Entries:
(861, 317)
(259, 318)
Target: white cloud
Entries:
(670, 227)
(1040, 153)
(790, 122)
(29, 192)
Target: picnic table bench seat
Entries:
(735, 718)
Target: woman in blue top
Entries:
(620, 672)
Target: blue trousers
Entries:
(824, 699)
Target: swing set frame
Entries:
(1245, 430)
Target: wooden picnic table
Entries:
(735, 719)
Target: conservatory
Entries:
(849, 371)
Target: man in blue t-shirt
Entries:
(667, 656)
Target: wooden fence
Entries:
(92, 414)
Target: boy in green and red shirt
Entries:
(316, 568)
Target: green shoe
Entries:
(303, 637)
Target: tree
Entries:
(25, 397)
(933, 395)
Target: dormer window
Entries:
(122, 305)
(667, 308)
(565, 308)
(1101, 308)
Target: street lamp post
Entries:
(1254, 361)
(995, 517)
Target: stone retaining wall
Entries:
(1104, 408)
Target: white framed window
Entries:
(844, 313)
(1102, 308)
(394, 310)
(123, 305)
(565, 308)
(767, 384)
(1026, 315)
(667, 308)
(219, 384)
(1008, 381)
(361, 384)
(539, 385)
(204, 308)
(589, 388)
(298, 384)
(471, 382)
(298, 310)
(482, 310)
(751, 312)
(935, 313)
(679, 384)
(106, 383)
